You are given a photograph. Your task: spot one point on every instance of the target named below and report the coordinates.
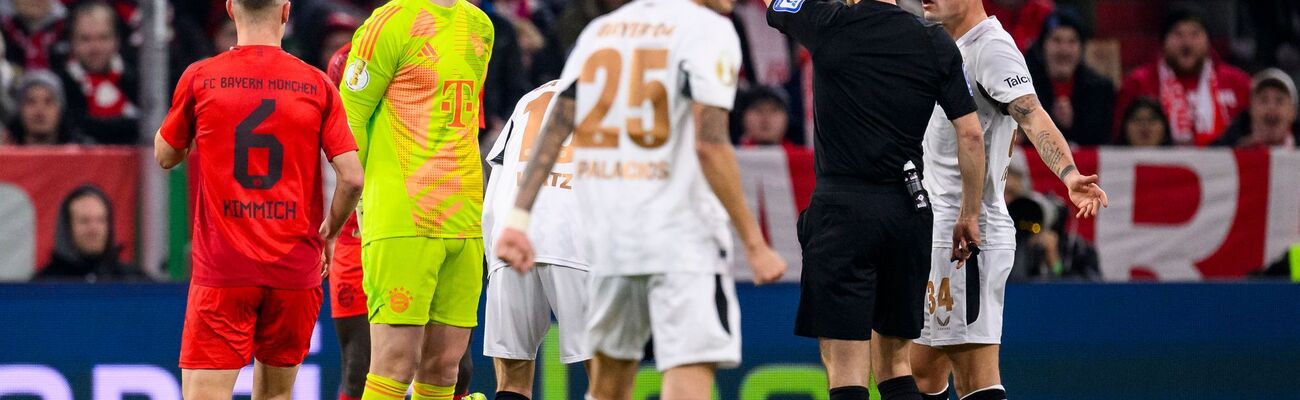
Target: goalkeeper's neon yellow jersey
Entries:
(412, 92)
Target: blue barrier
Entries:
(1063, 341)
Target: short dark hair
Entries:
(256, 5)
(1180, 15)
(1149, 103)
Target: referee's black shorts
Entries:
(866, 260)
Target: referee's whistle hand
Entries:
(767, 265)
(514, 248)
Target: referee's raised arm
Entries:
(803, 20)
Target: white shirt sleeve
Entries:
(1002, 73)
(711, 64)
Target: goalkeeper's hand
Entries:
(514, 248)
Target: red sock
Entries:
(346, 397)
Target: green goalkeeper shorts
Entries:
(417, 280)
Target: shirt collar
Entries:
(978, 30)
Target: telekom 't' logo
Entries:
(455, 101)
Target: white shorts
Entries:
(519, 308)
(964, 306)
(694, 318)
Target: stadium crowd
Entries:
(70, 75)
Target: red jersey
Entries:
(258, 118)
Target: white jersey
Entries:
(638, 70)
(997, 73)
(557, 223)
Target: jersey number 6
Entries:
(592, 133)
(246, 140)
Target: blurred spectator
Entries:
(322, 28)
(1044, 249)
(507, 80)
(223, 37)
(1144, 124)
(32, 30)
(84, 245)
(563, 32)
(768, 57)
(531, 41)
(1023, 19)
(763, 118)
(1080, 100)
(1271, 119)
(9, 75)
(1200, 95)
(101, 87)
(41, 116)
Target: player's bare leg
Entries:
(204, 384)
(465, 373)
(931, 368)
(612, 378)
(440, 355)
(975, 367)
(273, 383)
(514, 375)
(687, 382)
(889, 357)
(848, 362)
(390, 350)
(354, 341)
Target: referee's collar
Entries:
(978, 30)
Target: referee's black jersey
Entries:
(878, 72)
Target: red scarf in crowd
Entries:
(1195, 117)
(103, 90)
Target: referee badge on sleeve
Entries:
(788, 6)
(356, 76)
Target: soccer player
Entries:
(519, 306)
(963, 323)
(347, 299)
(261, 116)
(411, 89)
(657, 179)
(866, 233)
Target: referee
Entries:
(866, 236)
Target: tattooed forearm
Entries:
(1048, 150)
(1066, 171)
(557, 129)
(712, 123)
(1051, 145)
(1022, 107)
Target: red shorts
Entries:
(225, 327)
(347, 299)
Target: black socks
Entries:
(510, 396)
(850, 393)
(900, 388)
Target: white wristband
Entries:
(518, 219)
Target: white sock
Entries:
(998, 387)
(945, 390)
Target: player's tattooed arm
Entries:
(1055, 152)
(1043, 133)
(558, 127)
